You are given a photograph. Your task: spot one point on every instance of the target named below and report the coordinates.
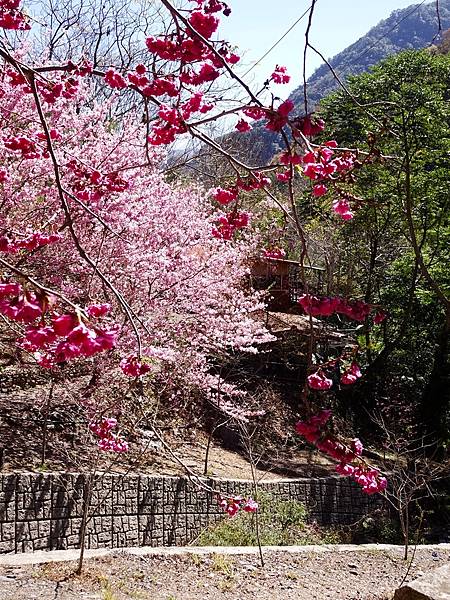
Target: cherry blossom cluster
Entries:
(308, 126)
(65, 85)
(20, 305)
(138, 79)
(278, 118)
(27, 147)
(255, 181)
(172, 121)
(165, 261)
(280, 75)
(351, 375)
(320, 164)
(30, 243)
(54, 338)
(201, 61)
(31, 146)
(91, 185)
(134, 367)
(315, 431)
(163, 258)
(228, 223)
(274, 253)
(324, 306)
(319, 381)
(11, 17)
(186, 44)
(324, 168)
(66, 337)
(108, 441)
(234, 504)
(53, 90)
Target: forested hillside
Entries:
(416, 26)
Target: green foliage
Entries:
(223, 564)
(377, 528)
(281, 523)
(402, 111)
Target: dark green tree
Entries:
(397, 247)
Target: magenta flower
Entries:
(379, 317)
(98, 310)
(345, 469)
(319, 190)
(39, 337)
(64, 324)
(280, 75)
(351, 375)
(309, 126)
(9, 289)
(224, 196)
(318, 381)
(357, 446)
(250, 506)
(206, 25)
(133, 367)
(274, 253)
(29, 308)
(242, 125)
(341, 207)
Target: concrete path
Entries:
(35, 558)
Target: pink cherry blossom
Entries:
(351, 375)
(318, 381)
(341, 207)
(280, 75)
(133, 367)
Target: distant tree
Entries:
(401, 234)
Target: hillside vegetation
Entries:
(414, 27)
(409, 28)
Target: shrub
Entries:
(281, 523)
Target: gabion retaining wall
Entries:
(44, 511)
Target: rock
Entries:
(433, 586)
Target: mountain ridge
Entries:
(413, 27)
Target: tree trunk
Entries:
(435, 401)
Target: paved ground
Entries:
(369, 572)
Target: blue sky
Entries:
(254, 25)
